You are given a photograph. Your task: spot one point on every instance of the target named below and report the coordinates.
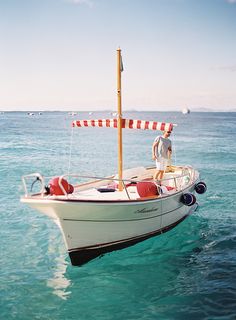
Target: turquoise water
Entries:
(187, 273)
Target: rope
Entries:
(71, 141)
(174, 150)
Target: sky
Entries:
(61, 54)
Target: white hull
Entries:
(91, 227)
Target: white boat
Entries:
(72, 113)
(102, 214)
(185, 110)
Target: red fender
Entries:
(56, 190)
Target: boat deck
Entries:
(106, 189)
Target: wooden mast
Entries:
(119, 118)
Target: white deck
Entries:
(178, 180)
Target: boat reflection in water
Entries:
(59, 282)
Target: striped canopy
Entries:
(126, 123)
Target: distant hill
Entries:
(202, 109)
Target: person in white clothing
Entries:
(161, 152)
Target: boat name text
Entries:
(145, 210)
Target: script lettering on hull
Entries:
(146, 210)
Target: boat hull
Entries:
(92, 228)
(80, 256)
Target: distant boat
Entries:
(72, 113)
(30, 114)
(185, 111)
(40, 113)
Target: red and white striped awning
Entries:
(126, 124)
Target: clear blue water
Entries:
(187, 273)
